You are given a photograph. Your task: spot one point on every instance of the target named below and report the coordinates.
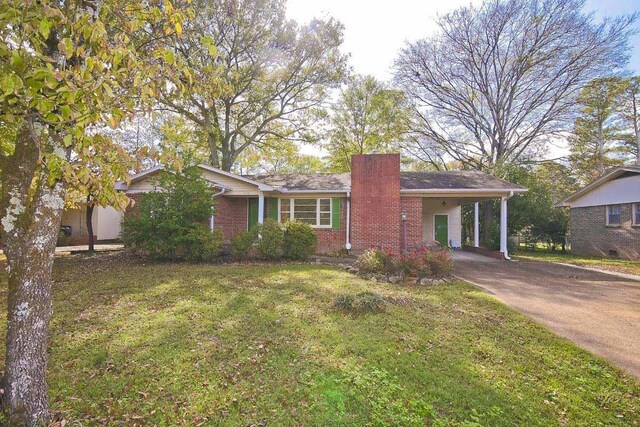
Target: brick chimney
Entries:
(375, 202)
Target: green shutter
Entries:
(335, 212)
(273, 208)
(253, 213)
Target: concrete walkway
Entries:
(82, 248)
(596, 310)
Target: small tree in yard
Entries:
(174, 222)
(65, 66)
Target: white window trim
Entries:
(607, 215)
(292, 204)
(635, 210)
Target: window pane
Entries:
(305, 210)
(637, 214)
(614, 215)
(325, 218)
(285, 209)
(325, 205)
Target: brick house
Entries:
(605, 215)
(374, 205)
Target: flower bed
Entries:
(423, 265)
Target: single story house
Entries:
(374, 205)
(605, 215)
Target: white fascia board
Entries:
(284, 190)
(466, 190)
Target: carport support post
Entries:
(476, 225)
(503, 227)
(260, 207)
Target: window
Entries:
(316, 212)
(636, 214)
(285, 209)
(614, 215)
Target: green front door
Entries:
(253, 213)
(441, 224)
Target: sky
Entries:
(375, 30)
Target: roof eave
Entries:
(596, 183)
(464, 190)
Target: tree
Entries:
(276, 157)
(174, 223)
(596, 143)
(630, 113)
(497, 81)
(64, 66)
(368, 116)
(259, 74)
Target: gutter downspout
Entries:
(504, 207)
(348, 225)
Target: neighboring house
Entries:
(605, 215)
(373, 205)
(105, 221)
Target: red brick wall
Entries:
(413, 207)
(375, 201)
(231, 215)
(591, 236)
(333, 239)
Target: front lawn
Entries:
(611, 264)
(137, 343)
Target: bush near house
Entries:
(425, 262)
(242, 243)
(292, 240)
(173, 223)
(271, 240)
(299, 240)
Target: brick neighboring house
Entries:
(374, 205)
(605, 215)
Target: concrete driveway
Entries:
(597, 311)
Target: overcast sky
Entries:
(376, 30)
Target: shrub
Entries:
(422, 263)
(439, 262)
(242, 243)
(299, 240)
(201, 244)
(364, 302)
(271, 241)
(373, 260)
(173, 223)
(64, 239)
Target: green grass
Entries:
(611, 264)
(138, 343)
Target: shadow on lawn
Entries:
(173, 343)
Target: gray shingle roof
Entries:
(308, 182)
(450, 180)
(467, 180)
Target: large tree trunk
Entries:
(89, 213)
(31, 220)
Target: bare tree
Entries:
(498, 80)
(273, 73)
